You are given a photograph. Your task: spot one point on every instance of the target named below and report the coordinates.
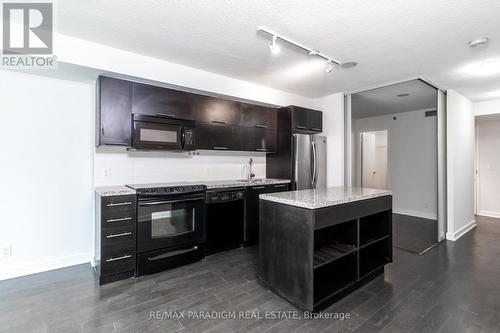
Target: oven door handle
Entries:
(154, 203)
(172, 254)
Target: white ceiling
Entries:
(391, 39)
(384, 100)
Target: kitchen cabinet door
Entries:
(216, 111)
(299, 118)
(163, 102)
(315, 120)
(114, 116)
(258, 116)
(217, 137)
(258, 139)
(252, 209)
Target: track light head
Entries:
(329, 66)
(274, 46)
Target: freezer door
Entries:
(303, 161)
(319, 148)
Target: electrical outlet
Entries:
(107, 173)
(6, 251)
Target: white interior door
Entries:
(374, 159)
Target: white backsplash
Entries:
(116, 166)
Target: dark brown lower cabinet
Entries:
(251, 233)
(115, 232)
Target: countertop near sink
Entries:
(211, 184)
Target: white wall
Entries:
(333, 128)
(460, 165)
(412, 165)
(488, 163)
(46, 199)
(114, 166)
(486, 108)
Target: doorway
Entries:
(394, 144)
(374, 159)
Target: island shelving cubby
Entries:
(313, 257)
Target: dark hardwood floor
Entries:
(453, 288)
(414, 234)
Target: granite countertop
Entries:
(325, 197)
(109, 191)
(211, 184)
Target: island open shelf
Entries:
(313, 257)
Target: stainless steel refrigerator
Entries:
(309, 161)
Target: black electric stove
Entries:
(170, 225)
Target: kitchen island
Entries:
(316, 246)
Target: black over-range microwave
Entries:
(156, 132)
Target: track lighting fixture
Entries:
(274, 46)
(275, 49)
(329, 66)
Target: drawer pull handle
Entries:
(220, 148)
(168, 115)
(301, 127)
(218, 121)
(261, 149)
(118, 235)
(261, 126)
(316, 129)
(281, 185)
(172, 254)
(119, 220)
(128, 203)
(259, 187)
(119, 258)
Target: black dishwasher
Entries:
(225, 219)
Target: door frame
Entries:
(360, 145)
(441, 147)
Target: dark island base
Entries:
(335, 297)
(313, 257)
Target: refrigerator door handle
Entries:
(314, 166)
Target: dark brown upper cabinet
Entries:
(306, 120)
(217, 137)
(258, 139)
(162, 102)
(114, 112)
(258, 116)
(217, 111)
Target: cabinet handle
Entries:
(118, 235)
(261, 126)
(219, 121)
(169, 115)
(284, 185)
(119, 258)
(259, 187)
(261, 149)
(119, 220)
(119, 204)
(300, 127)
(316, 129)
(220, 148)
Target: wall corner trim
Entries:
(454, 236)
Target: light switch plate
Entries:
(6, 251)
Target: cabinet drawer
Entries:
(118, 258)
(118, 234)
(118, 207)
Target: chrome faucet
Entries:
(251, 175)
